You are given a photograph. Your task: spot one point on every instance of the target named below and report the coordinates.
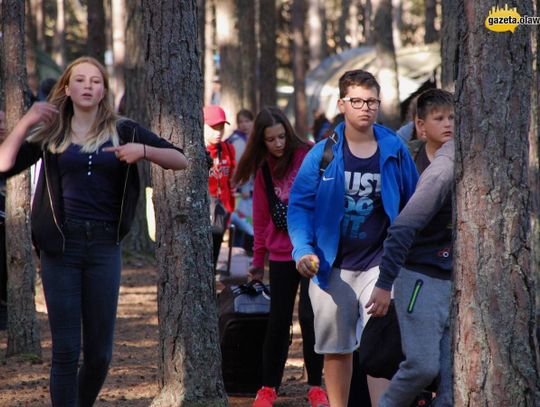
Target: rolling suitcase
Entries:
(243, 317)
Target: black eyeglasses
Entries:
(358, 103)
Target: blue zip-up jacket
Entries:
(316, 203)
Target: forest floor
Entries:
(132, 379)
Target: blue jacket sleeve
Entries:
(301, 210)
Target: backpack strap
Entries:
(270, 193)
(328, 154)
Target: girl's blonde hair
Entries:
(56, 135)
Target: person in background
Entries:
(337, 222)
(45, 87)
(221, 172)
(273, 155)
(417, 263)
(242, 216)
(84, 205)
(239, 137)
(320, 125)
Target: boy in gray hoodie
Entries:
(417, 261)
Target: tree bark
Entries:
(317, 32)
(119, 48)
(397, 23)
(496, 363)
(430, 32)
(368, 19)
(96, 43)
(137, 243)
(31, 46)
(299, 66)
(268, 58)
(59, 39)
(342, 25)
(23, 329)
(209, 71)
(230, 68)
(38, 14)
(387, 77)
(452, 13)
(354, 21)
(248, 52)
(189, 356)
(534, 167)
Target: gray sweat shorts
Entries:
(340, 315)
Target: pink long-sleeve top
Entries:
(267, 238)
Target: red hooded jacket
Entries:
(220, 175)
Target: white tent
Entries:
(416, 65)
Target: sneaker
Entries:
(265, 397)
(317, 397)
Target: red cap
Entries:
(214, 115)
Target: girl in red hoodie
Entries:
(274, 148)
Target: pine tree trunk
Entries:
(201, 41)
(229, 55)
(354, 21)
(119, 47)
(96, 42)
(267, 59)
(368, 22)
(208, 49)
(248, 51)
(342, 24)
(430, 33)
(496, 363)
(299, 66)
(39, 21)
(189, 356)
(387, 77)
(534, 175)
(535, 145)
(317, 35)
(31, 46)
(397, 25)
(138, 241)
(23, 329)
(59, 40)
(452, 13)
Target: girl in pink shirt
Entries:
(274, 154)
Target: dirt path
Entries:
(132, 378)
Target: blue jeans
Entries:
(81, 290)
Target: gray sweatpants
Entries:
(422, 306)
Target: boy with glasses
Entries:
(337, 222)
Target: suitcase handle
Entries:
(254, 287)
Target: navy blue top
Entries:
(364, 223)
(91, 184)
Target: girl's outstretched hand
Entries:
(40, 112)
(130, 152)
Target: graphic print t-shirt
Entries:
(364, 223)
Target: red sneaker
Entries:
(317, 397)
(265, 397)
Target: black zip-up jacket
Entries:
(47, 210)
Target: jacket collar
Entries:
(388, 140)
